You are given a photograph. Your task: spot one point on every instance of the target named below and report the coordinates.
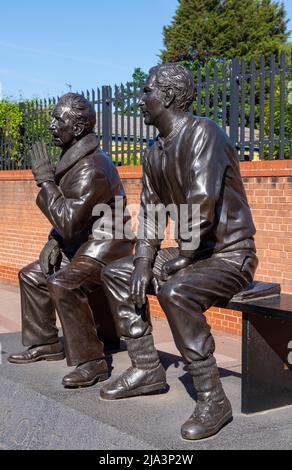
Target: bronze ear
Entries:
(78, 129)
(169, 97)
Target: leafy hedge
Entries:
(11, 118)
(21, 124)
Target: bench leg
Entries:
(266, 363)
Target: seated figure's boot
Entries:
(87, 374)
(213, 409)
(145, 376)
(48, 352)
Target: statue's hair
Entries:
(80, 109)
(179, 78)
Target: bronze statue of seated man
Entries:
(192, 163)
(68, 270)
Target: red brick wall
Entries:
(23, 227)
(269, 189)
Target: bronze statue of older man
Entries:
(192, 163)
(67, 273)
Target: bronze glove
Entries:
(49, 256)
(141, 277)
(174, 265)
(40, 164)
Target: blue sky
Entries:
(46, 45)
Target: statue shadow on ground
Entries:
(168, 359)
(109, 353)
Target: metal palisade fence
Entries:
(251, 101)
(119, 126)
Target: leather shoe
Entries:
(87, 374)
(47, 352)
(134, 382)
(209, 417)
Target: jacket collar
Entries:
(176, 130)
(84, 146)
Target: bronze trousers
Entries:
(184, 298)
(67, 291)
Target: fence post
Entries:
(234, 102)
(22, 140)
(106, 119)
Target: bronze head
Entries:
(168, 86)
(73, 117)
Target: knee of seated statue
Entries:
(168, 293)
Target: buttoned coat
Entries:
(85, 177)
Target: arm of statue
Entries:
(150, 233)
(69, 215)
(151, 226)
(207, 166)
(203, 185)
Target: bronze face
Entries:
(152, 102)
(62, 126)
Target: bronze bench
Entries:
(266, 346)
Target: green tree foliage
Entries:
(22, 124)
(204, 29)
(204, 34)
(138, 76)
(127, 97)
(10, 128)
(37, 116)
